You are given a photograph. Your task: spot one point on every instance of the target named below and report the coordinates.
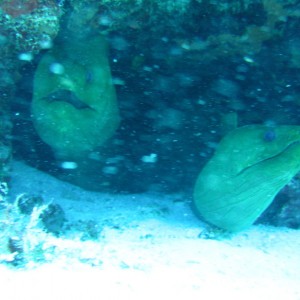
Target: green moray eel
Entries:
(250, 166)
(74, 105)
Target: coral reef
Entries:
(266, 20)
(288, 213)
(284, 211)
(29, 26)
(115, 15)
(25, 224)
(196, 68)
(26, 27)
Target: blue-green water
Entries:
(132, 97)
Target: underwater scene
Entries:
(150, 149)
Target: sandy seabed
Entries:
(148, 248)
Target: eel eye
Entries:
(269, 136)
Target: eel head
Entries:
(250, 166)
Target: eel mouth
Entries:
(66, 96)
(269, 158)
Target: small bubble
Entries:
(95, 156)
(248, 59)
(201, 102)
(25, 56)
(105, 20)
(151, 158)
(57, 68)
(118, 81)
(110, 170)
(46, 44)
(69, 165)
(147, 69)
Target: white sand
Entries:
(149, 248)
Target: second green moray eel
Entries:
(250, 166)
